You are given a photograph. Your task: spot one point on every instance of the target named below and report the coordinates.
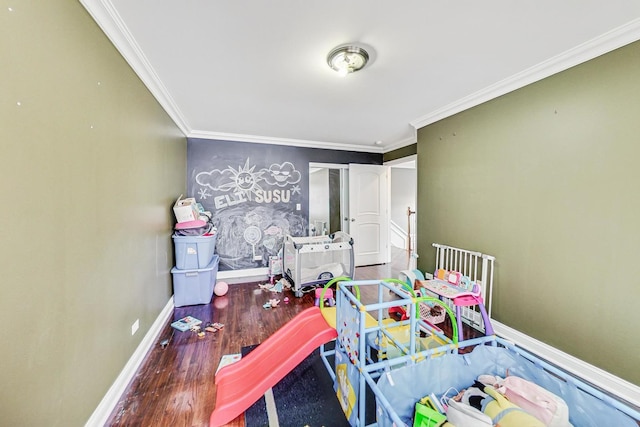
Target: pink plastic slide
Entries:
(241, 384)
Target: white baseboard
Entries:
(110, 400)
(591, 374)
(244, 276)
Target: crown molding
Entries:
(219, 136)
(106, 16)
(402, 143)
(584, 52)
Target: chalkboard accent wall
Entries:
(257, 193)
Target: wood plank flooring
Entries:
(175, 384)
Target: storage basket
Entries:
(192, 287)
(432, 314)
(193, 252)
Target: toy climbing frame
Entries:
(358, 325)
(398, 382)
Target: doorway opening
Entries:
(328, 198)
(332, 208)
(402, 217)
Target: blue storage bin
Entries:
(193, 252)
(191, 287)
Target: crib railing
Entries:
(478, 267)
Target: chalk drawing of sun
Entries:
(243, 180)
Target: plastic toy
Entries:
(274, 287)
(327, 295)
(272, 303)
(410, 277)
(214, 327)
(221, 288)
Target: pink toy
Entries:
(221, 288)
(196, 223)
(454, 277)
(241, 384)
(328, 296)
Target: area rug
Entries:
(305, 397)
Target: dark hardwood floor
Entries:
(175, 384)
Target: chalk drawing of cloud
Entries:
(281, 175)
(216, 179)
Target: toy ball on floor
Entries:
(221, 288)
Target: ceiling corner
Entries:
(106, 16)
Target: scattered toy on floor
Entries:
(326, 295)
(272, 303)
(285, 283)
(165, 342)
(213, 327)
(221, 288)
(273, 287)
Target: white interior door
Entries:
(369, 213)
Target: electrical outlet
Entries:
(135, 326)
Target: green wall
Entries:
(89, 168)
(546, 179)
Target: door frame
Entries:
(411, 158)
(344, 190)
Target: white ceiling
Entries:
(256, 70)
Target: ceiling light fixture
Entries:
(347, 59)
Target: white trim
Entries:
(329, 165)
(244, 276)
(107, 17)
(402, 160)
(110, 400)
(592, 374)
(105, 14)
(220, 136)
(584, 52)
